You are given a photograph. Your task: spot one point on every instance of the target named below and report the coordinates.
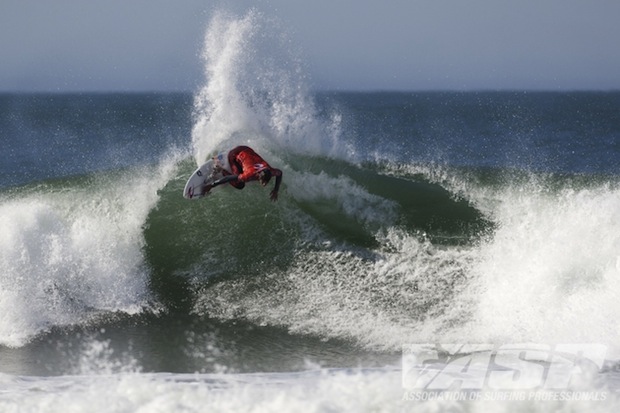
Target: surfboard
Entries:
(207, 173)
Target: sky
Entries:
(155, 45)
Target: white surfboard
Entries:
(207, 173)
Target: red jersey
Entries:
(246, 163)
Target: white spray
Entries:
(255, 93)
(69, 254)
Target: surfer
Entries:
(246, 165)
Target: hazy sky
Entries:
(75, 45)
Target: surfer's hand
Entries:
(274, 195)
(206, 189)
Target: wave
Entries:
(383, 254)
(550, 271)
(376, 254)
(72, 250)
(358, 247)
(345, 390)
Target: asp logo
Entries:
(517, 366)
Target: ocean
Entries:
(482, 225)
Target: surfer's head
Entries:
(264, 176)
